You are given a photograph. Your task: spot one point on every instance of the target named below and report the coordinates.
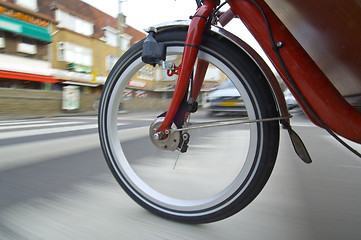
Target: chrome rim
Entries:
(177, 190)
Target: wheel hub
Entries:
(169, 143)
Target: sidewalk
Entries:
(60, 114)
(64, 114)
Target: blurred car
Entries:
(225, 99)
(290, 100)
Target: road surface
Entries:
(55, 184)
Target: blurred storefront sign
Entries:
(78, 68)
(77, 77)
(137, 83)
(24, 16)
(25, 29)
(27, 77)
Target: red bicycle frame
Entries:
(315, 88)
(191, 47)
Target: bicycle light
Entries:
(153, 52)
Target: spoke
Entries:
(228, 123)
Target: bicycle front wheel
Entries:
(224, 167)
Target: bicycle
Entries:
(182, 151)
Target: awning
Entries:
(23, 28)
(27, 77)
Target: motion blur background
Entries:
(55, 56)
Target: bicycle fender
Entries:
(263, 63)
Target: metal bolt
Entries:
(158, 135)
(185, 136)
(280, 44)
(150, 29)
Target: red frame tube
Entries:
(315, 87)
(193, 40)
(201, 71)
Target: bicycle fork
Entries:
(191, 48)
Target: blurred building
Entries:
(154, 82)
(25, 35)
(50, 44)
(86, 41)
(46, 44)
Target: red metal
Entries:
(315, 87)
(198, 80)
(194, 38)
(170, 73)
(201, 71)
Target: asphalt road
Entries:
(55, 184)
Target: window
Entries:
(72, 53)
(88, 28)
(61, 50)
(27, 45)
(2, 40)
(30, 4)
(111, 36)
(69, 21)
(110, 61)
(125, 42)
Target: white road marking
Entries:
(35, 132)
(31, 152)
(22, 122)
(41, 124)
